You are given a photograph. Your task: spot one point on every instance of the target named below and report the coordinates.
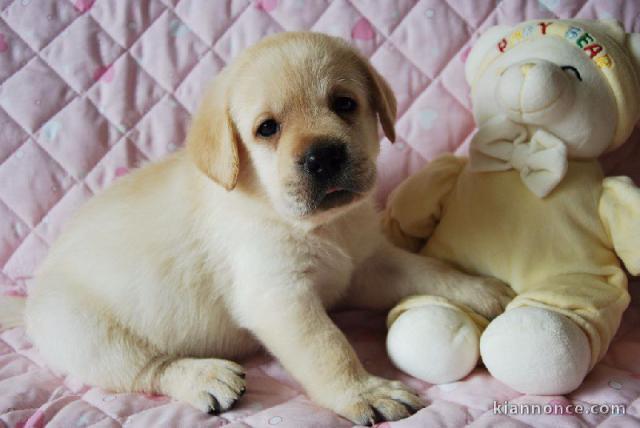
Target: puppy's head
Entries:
(293, 121)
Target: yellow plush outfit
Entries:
(530, 207)
(555, 252)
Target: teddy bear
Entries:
(530, 207)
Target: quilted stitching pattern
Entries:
(92, 88)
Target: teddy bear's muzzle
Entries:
(533, 87)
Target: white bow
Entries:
(501, 145)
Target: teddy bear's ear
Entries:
(612, 27)
(487, 41)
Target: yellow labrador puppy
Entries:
(245, 238)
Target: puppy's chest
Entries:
(327, 263)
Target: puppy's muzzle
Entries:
(330, 175)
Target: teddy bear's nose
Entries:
(531, 86)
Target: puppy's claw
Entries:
(390, 409)
(377, 400)
(410, 408)
(409, 399)
(377, 416)
(214, 405)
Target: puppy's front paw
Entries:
(485, 295)
(374, 400)
(211, 385)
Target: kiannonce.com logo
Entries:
(557, 408)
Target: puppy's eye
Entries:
(268, 128)
(572, 70)
(343, 105)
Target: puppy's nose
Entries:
(325, 160)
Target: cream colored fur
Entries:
(162, 279)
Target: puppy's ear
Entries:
(212, 140)
(384, 102)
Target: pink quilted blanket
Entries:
(90, 89)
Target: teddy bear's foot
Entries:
(536, 351)
(434, 343)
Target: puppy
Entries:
(247, 237)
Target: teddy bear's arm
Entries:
(620, 213)
(414, 207)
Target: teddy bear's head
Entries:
(577, 80)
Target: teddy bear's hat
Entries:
(614, 52)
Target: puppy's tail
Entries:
(11, 311)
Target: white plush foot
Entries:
(536, 351)
(434, 343)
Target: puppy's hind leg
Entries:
(76, 336)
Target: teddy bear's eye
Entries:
(573, 70)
